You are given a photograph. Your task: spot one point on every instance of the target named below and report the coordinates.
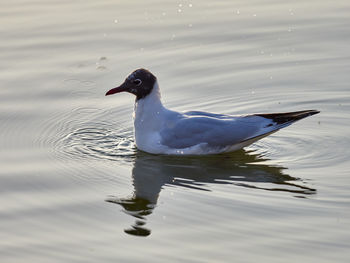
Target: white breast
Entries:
(149, 117)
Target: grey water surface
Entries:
(74, 188)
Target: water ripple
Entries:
(302, 148)
(100, 141)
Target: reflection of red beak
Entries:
(121, 88)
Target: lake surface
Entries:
(74, 188)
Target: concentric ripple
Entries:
(100, 141)
(89, 132)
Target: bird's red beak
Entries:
(121, 88)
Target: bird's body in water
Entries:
(159, 130)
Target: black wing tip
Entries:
(302, 112)
(306, 113)
(281, 118)
(313, 112)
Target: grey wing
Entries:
(192, 128)
(190, 131)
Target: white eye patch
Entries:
(137, 82)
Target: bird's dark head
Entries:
(140, 83)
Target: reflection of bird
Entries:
(150, 173)
(162, 131)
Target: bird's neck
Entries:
(149, 110)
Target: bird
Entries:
(158, 130)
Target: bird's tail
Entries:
(288, 117)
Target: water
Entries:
(75, 189)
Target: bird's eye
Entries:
(137, 82)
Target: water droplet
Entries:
(189, 25)
(238, 12)
(116, 21)
(179, 10)
(190, 5)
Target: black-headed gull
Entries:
(162, 131)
